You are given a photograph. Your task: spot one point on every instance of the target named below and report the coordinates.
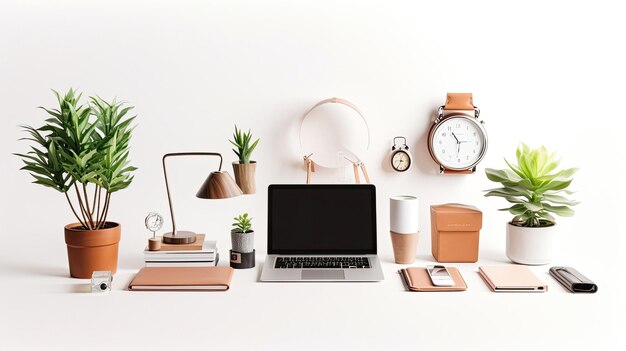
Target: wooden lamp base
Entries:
(180, 237)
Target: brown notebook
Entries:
(182, 279)
(417, 279)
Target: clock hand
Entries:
(457, 139)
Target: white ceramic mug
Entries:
(404, 214)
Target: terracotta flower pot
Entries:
(245, 176)
(92, 250)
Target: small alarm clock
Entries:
(400, 156)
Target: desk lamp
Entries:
(218, 185)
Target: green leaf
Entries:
(562, 211)
(557, 199)
(517, 209)
(532, 207)
(556, 184)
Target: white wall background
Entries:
(547, 73)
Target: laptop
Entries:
(322, 233)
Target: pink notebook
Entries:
(511, 279)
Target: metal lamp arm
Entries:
(167, 186)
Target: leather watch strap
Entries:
(459, 101)
(450, 171)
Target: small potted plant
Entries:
(242, 235)
(82, 152)
(534, 186)
(244, 169)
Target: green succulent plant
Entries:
(534, 186)
(241, 141)
(81, 145)
(242, 224)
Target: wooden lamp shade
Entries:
(219, 185)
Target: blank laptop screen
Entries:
(322, 219)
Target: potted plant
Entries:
(242, 235)
(534, 186)
(244, 169)
(82, 152)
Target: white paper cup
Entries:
(404, 214)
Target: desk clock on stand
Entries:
(154, 222)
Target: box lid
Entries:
(456, 217)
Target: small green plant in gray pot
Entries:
(242, 235)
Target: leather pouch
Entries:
(417, 279)
(572, 280)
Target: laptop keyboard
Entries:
(322, 262)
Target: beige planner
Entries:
(511, 279)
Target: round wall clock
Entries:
(457, 140)
(400, 156)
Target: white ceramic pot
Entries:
(530, 245)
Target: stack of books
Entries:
(199, 254)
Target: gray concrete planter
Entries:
(242, 242)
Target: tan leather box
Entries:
(455, 229)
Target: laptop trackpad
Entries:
(322, 274)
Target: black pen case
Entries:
(572, 280)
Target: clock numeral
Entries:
(443, 151)
(458, 125)
(449, 128)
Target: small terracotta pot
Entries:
(245, 176)
(92, 250)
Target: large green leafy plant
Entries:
(82, 149)
(242, 141)
(534, 186)
(242, 224)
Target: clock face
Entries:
(154, 221)
(458, 143)
(400, 161)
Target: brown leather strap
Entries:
(459, 101)
(450, 171)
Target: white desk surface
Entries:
(42, 308)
